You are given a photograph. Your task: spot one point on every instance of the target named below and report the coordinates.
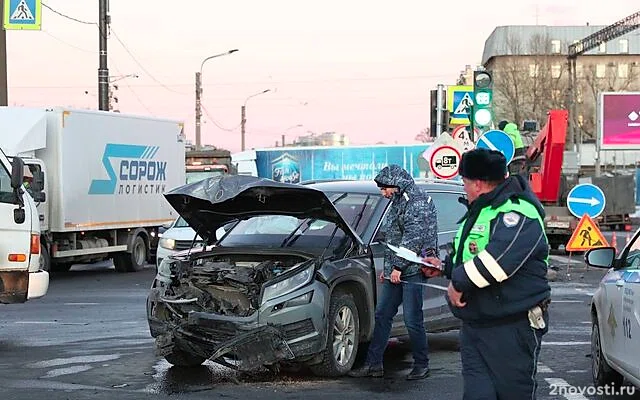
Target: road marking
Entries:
(543, 369)
(565, 343)
(568, 301)
(67, 371)
(558, 382)
(81, 304)
(75, 360)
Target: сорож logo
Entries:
(633, 117)
(138, 172)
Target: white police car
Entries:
(615, 315)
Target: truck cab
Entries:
(21, 275)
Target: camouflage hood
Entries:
(394, 175)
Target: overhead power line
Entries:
(133, 57)
(68, 17)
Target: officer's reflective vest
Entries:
(478, 237)
(511, 129)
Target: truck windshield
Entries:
(197, 176)
(6, 192)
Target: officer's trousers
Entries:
(499, 362)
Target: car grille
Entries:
(297, 329)
(186, 244)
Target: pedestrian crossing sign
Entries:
(22, 14)
(459, 102)
(586, 236)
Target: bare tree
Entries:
(527, 87)
(424, 136)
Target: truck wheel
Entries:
(602, 373)
(342, 338)
(45, 260)
(134, 261)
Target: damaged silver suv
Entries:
(293, 278)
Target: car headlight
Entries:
(167, 243)
(164, 270)
(288, 285)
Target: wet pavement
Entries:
(89, 339)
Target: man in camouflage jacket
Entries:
(411, 222)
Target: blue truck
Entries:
(299, 164)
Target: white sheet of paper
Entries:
(409, 255)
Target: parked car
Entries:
(177, 237)
(615, 307)
(294, 280)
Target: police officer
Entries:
(498, 287)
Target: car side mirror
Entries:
(17, 172)
(38, 182)
(167, 225)
(39, 197)
(601, 257)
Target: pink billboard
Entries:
(620, 121)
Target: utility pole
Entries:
(103, 70)
(198, 110)
(4, 90)
(439, 109)
(243, 120)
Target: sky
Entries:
(362, 68)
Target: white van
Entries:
(21, 277)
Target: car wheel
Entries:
(602, 373)
(342, 339)
(181, 358)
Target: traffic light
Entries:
(482, 99)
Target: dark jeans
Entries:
(500, 362)
(410, 296)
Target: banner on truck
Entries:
(297, 165)
(619, 121)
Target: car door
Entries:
(630, 309)
(435, 308)
(612, 315)
(450, 211)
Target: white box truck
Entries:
(103, 176)
(21, 278)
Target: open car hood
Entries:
(209, 204)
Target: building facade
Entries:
(530, 69)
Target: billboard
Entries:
(619, 121)
(295, 165)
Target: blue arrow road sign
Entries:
(498, 140)
(586, 199)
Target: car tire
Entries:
(181, 358)
(342, 337)
(601, 371)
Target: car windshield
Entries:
(180, 223)
(312, 235)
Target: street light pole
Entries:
(199, 94)
(243, 119)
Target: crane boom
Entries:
(622, 27)
(617, 29)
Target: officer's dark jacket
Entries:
(517, 248)
(411, 221)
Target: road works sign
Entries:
(22, 14)
(586, 199)
(459, 102)
(586, 236)
(445, 161)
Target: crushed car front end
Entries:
(239, 309)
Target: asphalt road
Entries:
(88, 338)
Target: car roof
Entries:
(338, 185)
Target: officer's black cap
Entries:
(483, 165)
(502, 124)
